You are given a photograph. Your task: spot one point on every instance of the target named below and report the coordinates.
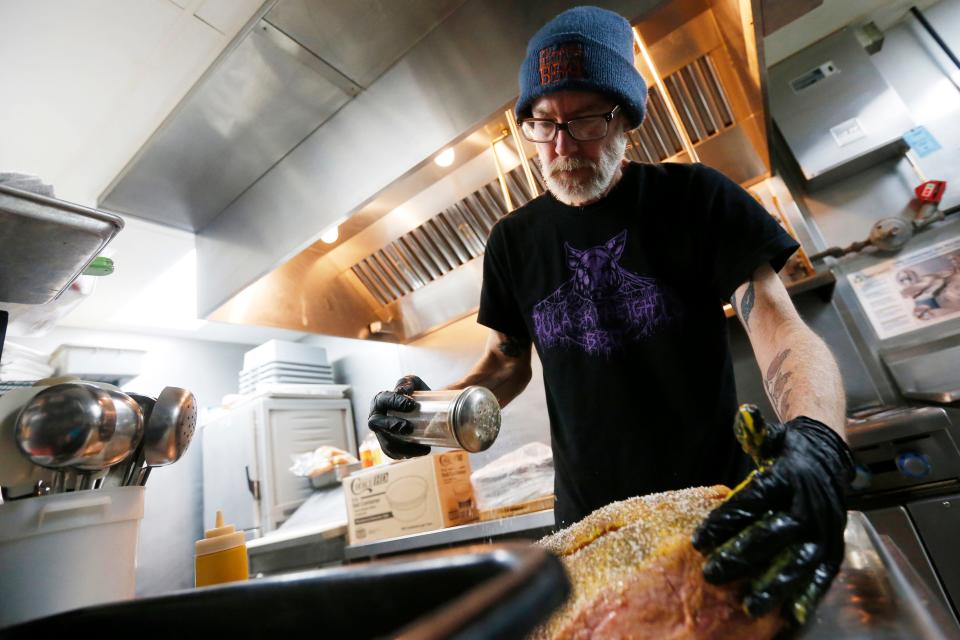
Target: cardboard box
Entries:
(413, 496)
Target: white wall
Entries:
(174, 498)
(86, 82)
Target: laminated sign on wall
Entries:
(913, 291)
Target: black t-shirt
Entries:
(623, 301)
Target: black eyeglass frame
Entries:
(565, 126)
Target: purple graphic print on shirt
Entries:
(603, 305)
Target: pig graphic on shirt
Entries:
(602, 306)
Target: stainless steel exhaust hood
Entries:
(836, 111)
(326, 112)
(409, 259)
(294, 66)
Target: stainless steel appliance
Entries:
(45, 243)
(835, 110)
(908, 485)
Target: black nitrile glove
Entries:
(387, 426)
(783, 526)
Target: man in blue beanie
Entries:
(616, 276)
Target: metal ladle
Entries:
(127, 433)
(16, 470)
(131, 469)
(77, 425)
(171, 426)
(55, 426)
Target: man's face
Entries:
(578, 172)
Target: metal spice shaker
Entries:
(455, 418)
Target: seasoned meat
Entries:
(635, 575)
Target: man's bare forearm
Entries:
(802, 378)
(799, 373)
(504, 369)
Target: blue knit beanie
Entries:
(585, 48)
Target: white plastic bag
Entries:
(521, 475)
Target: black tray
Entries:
(485, 591)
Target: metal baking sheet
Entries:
(335, 476)
(45, 243)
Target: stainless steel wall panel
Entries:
(440, 302)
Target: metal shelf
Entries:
(516, 526)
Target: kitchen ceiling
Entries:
(295, 65)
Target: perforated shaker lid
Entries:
(476, 418)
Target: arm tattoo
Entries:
(513, 347)
(746, 304)
(776, 383)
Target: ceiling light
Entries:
(445, 157)
(331, 235)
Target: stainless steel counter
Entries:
(529, 525)
(878, 595)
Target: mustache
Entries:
(571, 163)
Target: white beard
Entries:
(574, 191)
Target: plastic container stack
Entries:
(279, 362)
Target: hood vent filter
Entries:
(459, 233)
(449, 239)
(700, 98)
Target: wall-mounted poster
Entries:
(912, 291)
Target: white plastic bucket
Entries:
(68, 550)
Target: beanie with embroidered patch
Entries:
(586, 49)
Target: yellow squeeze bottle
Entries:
(222, 555)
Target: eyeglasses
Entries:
(581, 129)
